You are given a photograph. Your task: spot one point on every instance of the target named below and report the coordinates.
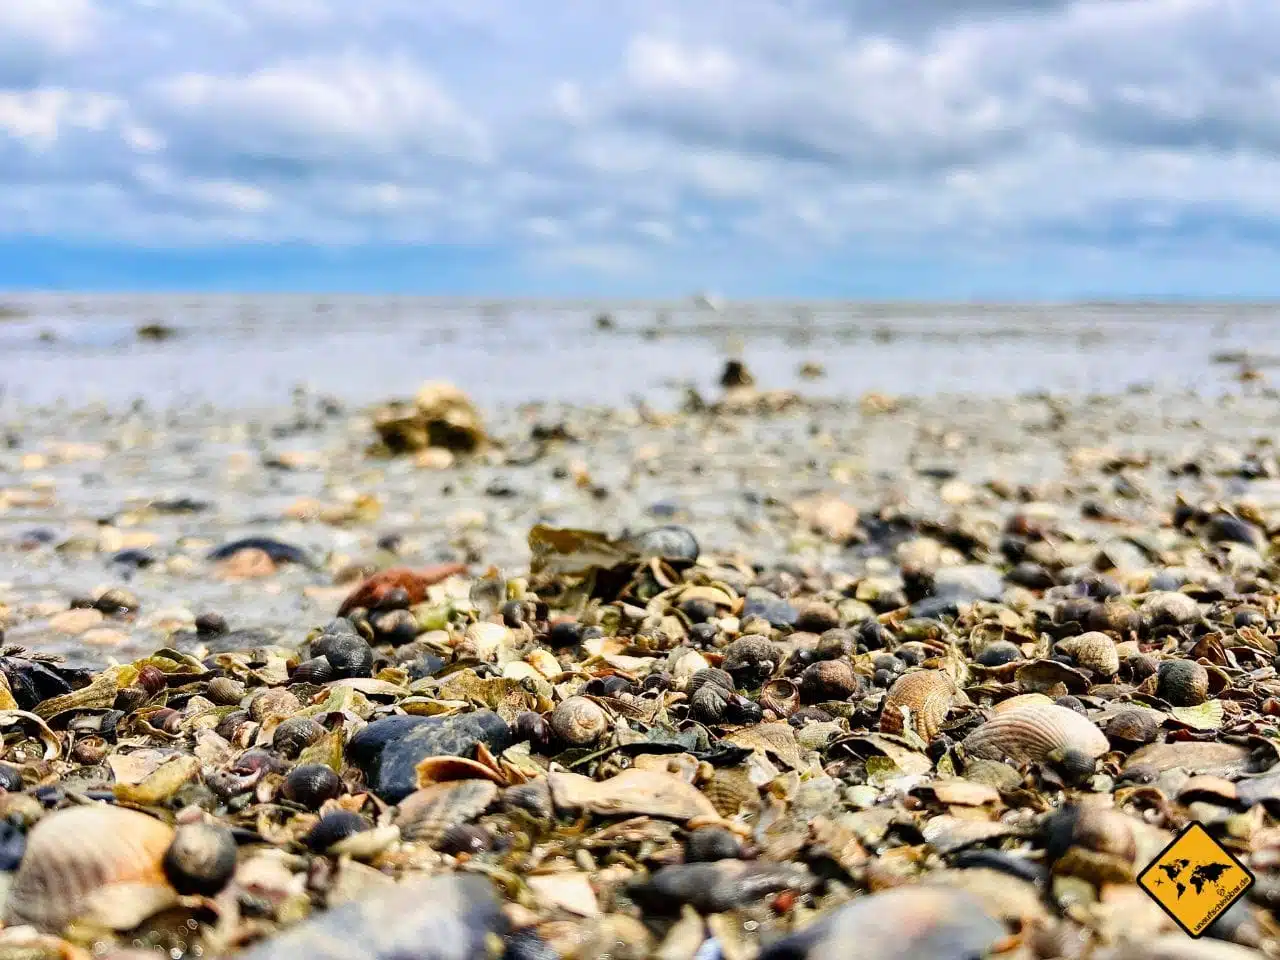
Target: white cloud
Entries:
(646, 133)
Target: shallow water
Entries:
(242, 352)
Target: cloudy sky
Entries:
(931, 148)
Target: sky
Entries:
(1036, 149)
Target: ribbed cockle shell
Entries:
(75, 852)
(924, 696)
(1031, 734)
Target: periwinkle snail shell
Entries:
(295, 734)
(579, 722)
(333, 828)
(828, 680)
(201, 859)
(1183, 683)
(311, 785)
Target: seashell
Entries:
(1114, 617)
(1169, 608)
(532, 728)
(751, 660)
(782, 696)
(444, 917)
(1094, 651)
(719, 886)
(333, 828)
(669, 543)
(533, 798)
(1051, 677)
(317, 670)
(1096, 844)
(1038, 734)
(1210, 757)
(226, 691)
(729, 790)
(428, 813)
(10, 778)
(631, 793)
(579, 722)
(999, 653)
(74, 852)
(446, 769)
(835, 644)
(1021, 700)
(829, 680)
(200, 859)
(900, 924)
(817, 617)
(1134, 727)
(1183, 683)
(294, 735)
(465, 838)
(709, 703)
(273, 702)
(413, 582)
(1139, 666)
(924, 696)
(311, 784)
(708, 844)
(348, 653)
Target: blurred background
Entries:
(751, 176)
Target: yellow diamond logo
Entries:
(1194, 879)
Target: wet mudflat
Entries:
(743, 671)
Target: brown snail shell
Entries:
(1183, 683)
(1094, 651)
(226, 691)
(1134, 727)
(710, 703)
(428, 813)
(273, 702)
(579, 722)
(294, 735)
(76, 851)
(1034, 733)
(828, 680)
(201, 859)
(782, 696)
(925, 695)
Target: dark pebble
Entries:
(388, 750)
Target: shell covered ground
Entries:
(768, 676)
